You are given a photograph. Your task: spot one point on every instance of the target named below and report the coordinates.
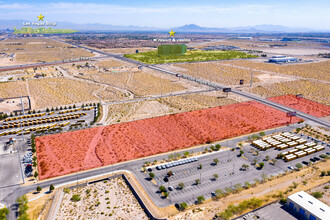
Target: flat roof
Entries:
(311, 204)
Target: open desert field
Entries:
(141, 83)
(303, 105)
(128, 50)
(85, 149)
(108, 63)
(163, 106)
(105, 199)
(50, 92)
(318, 70)
(318, 92)
(215, 71)
(12, 89)
(40, 49)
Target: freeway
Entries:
(10, 193)
(198, 80)
(246, 95)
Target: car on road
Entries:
(305, 162)
(170, 188)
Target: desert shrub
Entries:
(75, 198)
(317, 195)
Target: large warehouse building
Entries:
(282, 59)
(308, 207)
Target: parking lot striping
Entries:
(197, 156)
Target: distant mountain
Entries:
(193, 28)
(248, 29)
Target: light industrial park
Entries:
(186, 122)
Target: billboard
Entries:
(226, 90)
(291, 114)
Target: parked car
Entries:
(317, 158)
(213, 194)
(170, 188)
(305, 162)
(312, 159)
(290, 167)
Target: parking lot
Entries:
(10, 170)
(16, 155)
(228, 169)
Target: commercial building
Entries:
(308, 207)
(282, 59)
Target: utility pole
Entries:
(161, 88)
(100, 96)
(251, 78)
(22, 106)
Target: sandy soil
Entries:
(318, 92)
(108, 199)
(304, 105)
(59, 91)
(9, 105)
(38, 49)
(318, 70)
(295, 51)
(163, 106)
(90, 148)
(214, 71)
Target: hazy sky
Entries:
(171, 13)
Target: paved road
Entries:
(201, 81)
(159, 96)
(9, 194)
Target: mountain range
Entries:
(192, 28)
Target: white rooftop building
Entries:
(308, 207)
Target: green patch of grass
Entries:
(152, 57)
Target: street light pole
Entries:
(251, 78)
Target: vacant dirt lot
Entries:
(318, 92)
(85, 149)
(12, 89)
(40, 49)
(108, 199)
(141, 83)
(59, 91)
(319, 70)
(164, 106)
(304, 105)
(215, 71)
